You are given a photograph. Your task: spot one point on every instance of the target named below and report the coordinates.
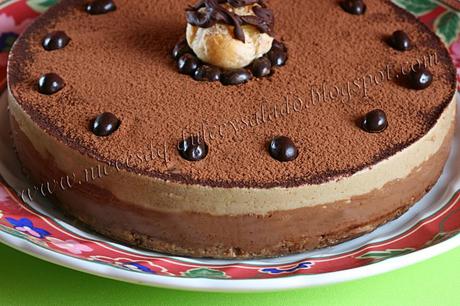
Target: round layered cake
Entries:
(347, 127)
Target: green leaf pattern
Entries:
(448, 26)
(41, 5)
(417, 7)
(205, 273)
(382, 255)
(5, 3)
(441, 237)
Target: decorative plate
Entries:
(430, 228)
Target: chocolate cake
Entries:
(231, 128)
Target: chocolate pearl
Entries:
(355, 7)
(277, 57)
(193, 149)
(105, 124)
(180, 49)
(375, 121)
(261, 67)
(283, 149)
(50, 83)
(55, 40)
(235, 76)
(400, 41)
(420, 78)
(278, 45)
(187, 64)
(207, 73)
(98, 7)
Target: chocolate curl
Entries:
(202, 18)
(241, 3)
(206, 13)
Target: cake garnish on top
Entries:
(234, 36)
(98, 7)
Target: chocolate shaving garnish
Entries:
(196, 6)
(265, 13)
(240, 3)
(237, 22)
(203, 18)
(206, 13)
(256, 22)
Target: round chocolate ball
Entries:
(354, 7)
(187, 64)
(420, 78)
(399, 40)
(98, 7)
(283, 149)
(105, 124)
(261, 67)
(207, 73)
(50, 83)
(375, 121)
(181, 48)
(193, 149)
(55, 40)
(278, 45)
(277, 57)
(235, 76)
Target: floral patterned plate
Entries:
(430, 228)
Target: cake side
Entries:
(228, 223)
(170, 196)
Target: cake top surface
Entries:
(340, 67)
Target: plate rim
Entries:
(232, 285)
